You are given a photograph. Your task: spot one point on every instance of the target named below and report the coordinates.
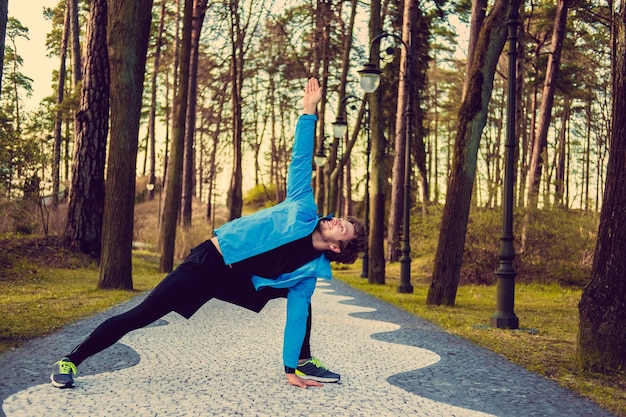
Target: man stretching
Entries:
(277, 252)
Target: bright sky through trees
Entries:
(36, 63)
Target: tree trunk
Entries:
(174, 185)
(560, 199)
(85, 211)
(235, 193)
(153, 103)
(547, 101)
(472, 119)
(378, 177)
(602, 308)
(4, 17)
(58, 114)
(77, 73)
(199, 9)
(127, 35)
(397, 183)
(334, 189)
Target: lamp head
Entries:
(340, 127)
(370, 77)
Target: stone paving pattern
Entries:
(226, 361)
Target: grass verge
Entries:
(39, 300)
(545, 342)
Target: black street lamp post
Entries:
(340, 129)
(370, 80)
(504, 316)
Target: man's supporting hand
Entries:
(312, 96)
(302, 383)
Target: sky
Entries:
(36, 63)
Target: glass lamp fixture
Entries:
(370, 77)
(340, 127)
(319, 158)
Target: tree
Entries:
(153, 102)
(547, 100)
(58, 115)
(602, 307)
(199, 9)
(376, 272)
(171, 209)
(4, 17)
(471, 121)
(17, 80)
(415, 33)
(127, 34)
(85, 211)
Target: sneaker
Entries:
(63, 374)
(315, 370)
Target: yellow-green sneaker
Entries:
(314, 369)
(63, 374)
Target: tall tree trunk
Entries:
(174, 185)
(378, 178)
(235, 193)
(333, 189)
(547, 101)
(415, 32)
(199, 9)
(397, 183)
(4, 17)
(77, 74)
(560, 156)
(153, 102)
(58, 114)
(127, 39)
(602, 308)
(85, 211)
(472, 119)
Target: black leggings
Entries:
(199, 278)
(150, 310)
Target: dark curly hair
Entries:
(350, 250)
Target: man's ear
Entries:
(334, 247)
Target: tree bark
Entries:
(58, 114)
(378, 181)
(602, 308)
(235, 192)
(4, 17)
(127, 39)
(199, 9)
(472, 120)
(85, 211)
(153, 103)
(77, 73)
(174, 185)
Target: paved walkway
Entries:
(226, 361)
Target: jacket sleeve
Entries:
(298, 300)
(300, 170)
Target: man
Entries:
(280, 251)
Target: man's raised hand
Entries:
(312, 95)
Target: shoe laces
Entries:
(317, 363)
(66, 366)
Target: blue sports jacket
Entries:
(291, 219)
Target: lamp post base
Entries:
(504, 321)
(405, 286)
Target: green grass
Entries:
(43, 300)
(545, 343)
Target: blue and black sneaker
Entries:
(63, 374)
(314, 369)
